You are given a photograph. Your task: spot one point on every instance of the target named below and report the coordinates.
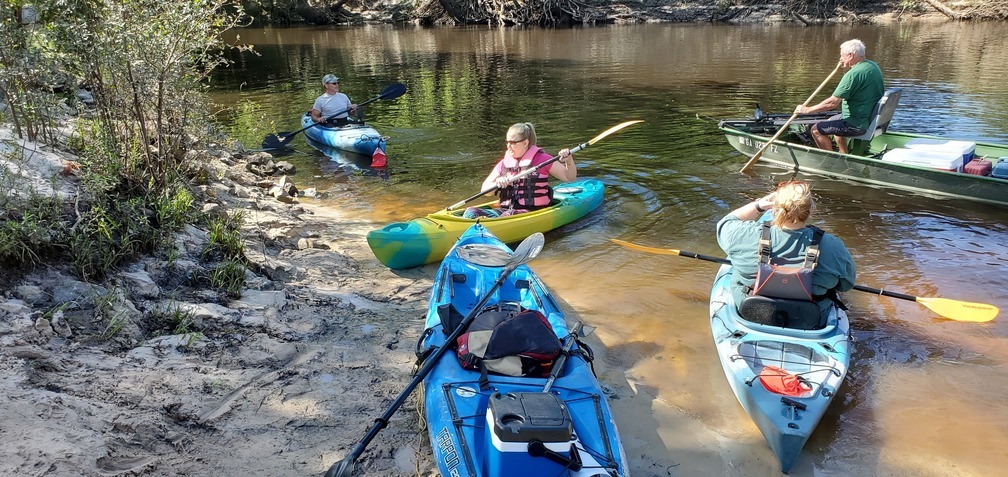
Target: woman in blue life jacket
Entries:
(531, 192)
(788, 208)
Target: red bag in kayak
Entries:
(779, 381)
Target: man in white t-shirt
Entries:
(332, 102)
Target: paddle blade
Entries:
(277, 141)
(960, 310)
(527, 250)
(343, 468)
(613, 129)
(659, 251)
(393, 91)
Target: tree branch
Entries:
(942, 8)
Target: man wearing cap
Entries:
(859, 91)
(332, 102)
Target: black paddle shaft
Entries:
(344, 468)
(272, 141)
(562, 359)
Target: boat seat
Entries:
(881, 117)
(795, 314)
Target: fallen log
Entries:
(942, 8)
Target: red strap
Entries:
(779, 381)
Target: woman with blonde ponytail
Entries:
(530, 192)
(788, 209)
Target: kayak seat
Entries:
(795, 314)
(881, 117)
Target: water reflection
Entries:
(924, 395)
(344, 163)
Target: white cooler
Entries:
(963, 148)
(947, 160)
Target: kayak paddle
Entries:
(562, 359)
(278, 141)
(786, 123)
(551, 160)
(951, 309)
(526, 251)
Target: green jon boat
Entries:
(868, 161)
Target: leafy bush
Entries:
(146, 63)
(224, 240)
(32, 231)
(225, 245)
(229, 278)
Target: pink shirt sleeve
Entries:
(541, 157)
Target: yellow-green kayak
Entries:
(428, 239)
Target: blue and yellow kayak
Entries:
(510, 427)
(428, 239)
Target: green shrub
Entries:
(31, 231)
(228, 277)
(224, 240)
(174, 209)
(110, 233)
(148, 78)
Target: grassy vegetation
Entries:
(148, 78)
(225, 248)
(107, 311)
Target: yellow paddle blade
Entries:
(660, 251)
(613, 129)
(960, 310)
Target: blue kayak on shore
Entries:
(497, 425)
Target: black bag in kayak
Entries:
(513, 343)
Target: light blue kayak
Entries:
(357, 138)
(513, 428)
(745, 348)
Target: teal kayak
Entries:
(510, 426)
(817, 358)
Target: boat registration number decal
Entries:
(749, 142)
(447, 448)
(465, 391)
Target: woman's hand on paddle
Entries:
(503, 181)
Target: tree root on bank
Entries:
(508, 12)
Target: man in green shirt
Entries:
(859, 91)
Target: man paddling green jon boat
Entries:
(859, 90)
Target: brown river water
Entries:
(925, 396)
